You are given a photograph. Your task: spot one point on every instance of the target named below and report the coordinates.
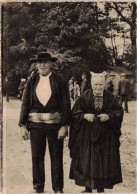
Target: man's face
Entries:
(98, 85)
(44, 67)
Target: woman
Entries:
(94, 138)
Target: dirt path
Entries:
(18, 156)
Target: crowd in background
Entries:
(122, 91)
(75, 89)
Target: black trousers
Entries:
(38, 139)
(124, 98)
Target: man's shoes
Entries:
(87, 190)
(58, 191)
(39, 191)
(100, 190)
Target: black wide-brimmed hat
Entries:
(44, 56)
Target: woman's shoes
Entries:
(87, 190)
(100, 190)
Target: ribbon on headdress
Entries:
(103, 74)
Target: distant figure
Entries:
(124, 90)
(76, 90)
(110, 85)
(7, 87)
(21, 87)
(71, 89)
(84, 84)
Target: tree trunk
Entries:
(133, 41)
(133, 34)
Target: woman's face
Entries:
(98, 85)
(44, 67)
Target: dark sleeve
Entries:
(25, 104)
(65, 102)
(116, 117)
(77, 113)
(77, 121)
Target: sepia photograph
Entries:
(68, 116)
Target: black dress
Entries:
(94, 147)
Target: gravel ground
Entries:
(17, 158)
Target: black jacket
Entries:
(63, 95)
(123, 87)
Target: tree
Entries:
(74, 31)
(122, 9)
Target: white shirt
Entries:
(43, 90)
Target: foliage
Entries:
(125, 14)
(74, 32)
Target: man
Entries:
(84, 84)
(94, 138)
(110, 85)
(45, 112)
(123, 91)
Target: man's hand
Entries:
(63, 132)
(89, 117)
(103, 117)
(24, 132)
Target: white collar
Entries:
(98, 94)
